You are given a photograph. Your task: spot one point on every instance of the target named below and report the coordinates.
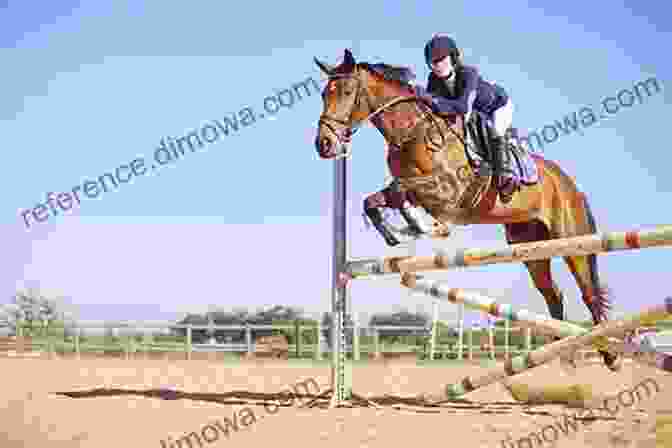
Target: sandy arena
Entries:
(34, 416)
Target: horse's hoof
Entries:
(616, 366)
(440, 231)
(568, 362)
(613, 362)
(442, 234)
(392, 242)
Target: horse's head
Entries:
(342, 101)
(357, 92)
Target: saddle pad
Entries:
(527, 167)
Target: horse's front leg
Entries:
(419, 225)
(410, 211)
(401, 200)
(394, 198)
(372, 209)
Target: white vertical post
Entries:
(78, 333)
(528, 339)
(491, 338)
(471, 342)
(355, 338)
(507, 331)
(460, 330)
(435, 329)
(190, 346)
(318, 339)
(411, 252)
(376, 343)
(248, 339)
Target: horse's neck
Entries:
(400, 119)
(428, 143)
(412, 128)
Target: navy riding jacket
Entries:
(471, 92)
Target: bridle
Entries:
(349, 129)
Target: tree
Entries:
(31, 306)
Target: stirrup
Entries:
(507, 187)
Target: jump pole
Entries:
(538, 250)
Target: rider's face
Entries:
(442, 66)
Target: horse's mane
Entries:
(398, 73)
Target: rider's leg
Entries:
(508, 178)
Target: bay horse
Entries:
(434, 171)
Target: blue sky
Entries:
(92, 85)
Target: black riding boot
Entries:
(509, 182)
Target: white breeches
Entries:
(503, 117)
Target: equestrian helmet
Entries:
(440, 46)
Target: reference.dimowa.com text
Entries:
(168, 151)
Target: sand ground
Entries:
(33, 415)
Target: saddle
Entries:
(479, 149)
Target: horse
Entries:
(433, 170)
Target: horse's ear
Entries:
(348, 58)
(326, 68)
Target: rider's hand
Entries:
(429, 98)
(422, 93)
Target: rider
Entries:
(455, 87)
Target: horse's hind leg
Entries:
(585, 272)
(540, 270)
(584, 269)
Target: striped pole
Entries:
(478, 302)
(341, 370)
(537, 250)
(574, 335)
